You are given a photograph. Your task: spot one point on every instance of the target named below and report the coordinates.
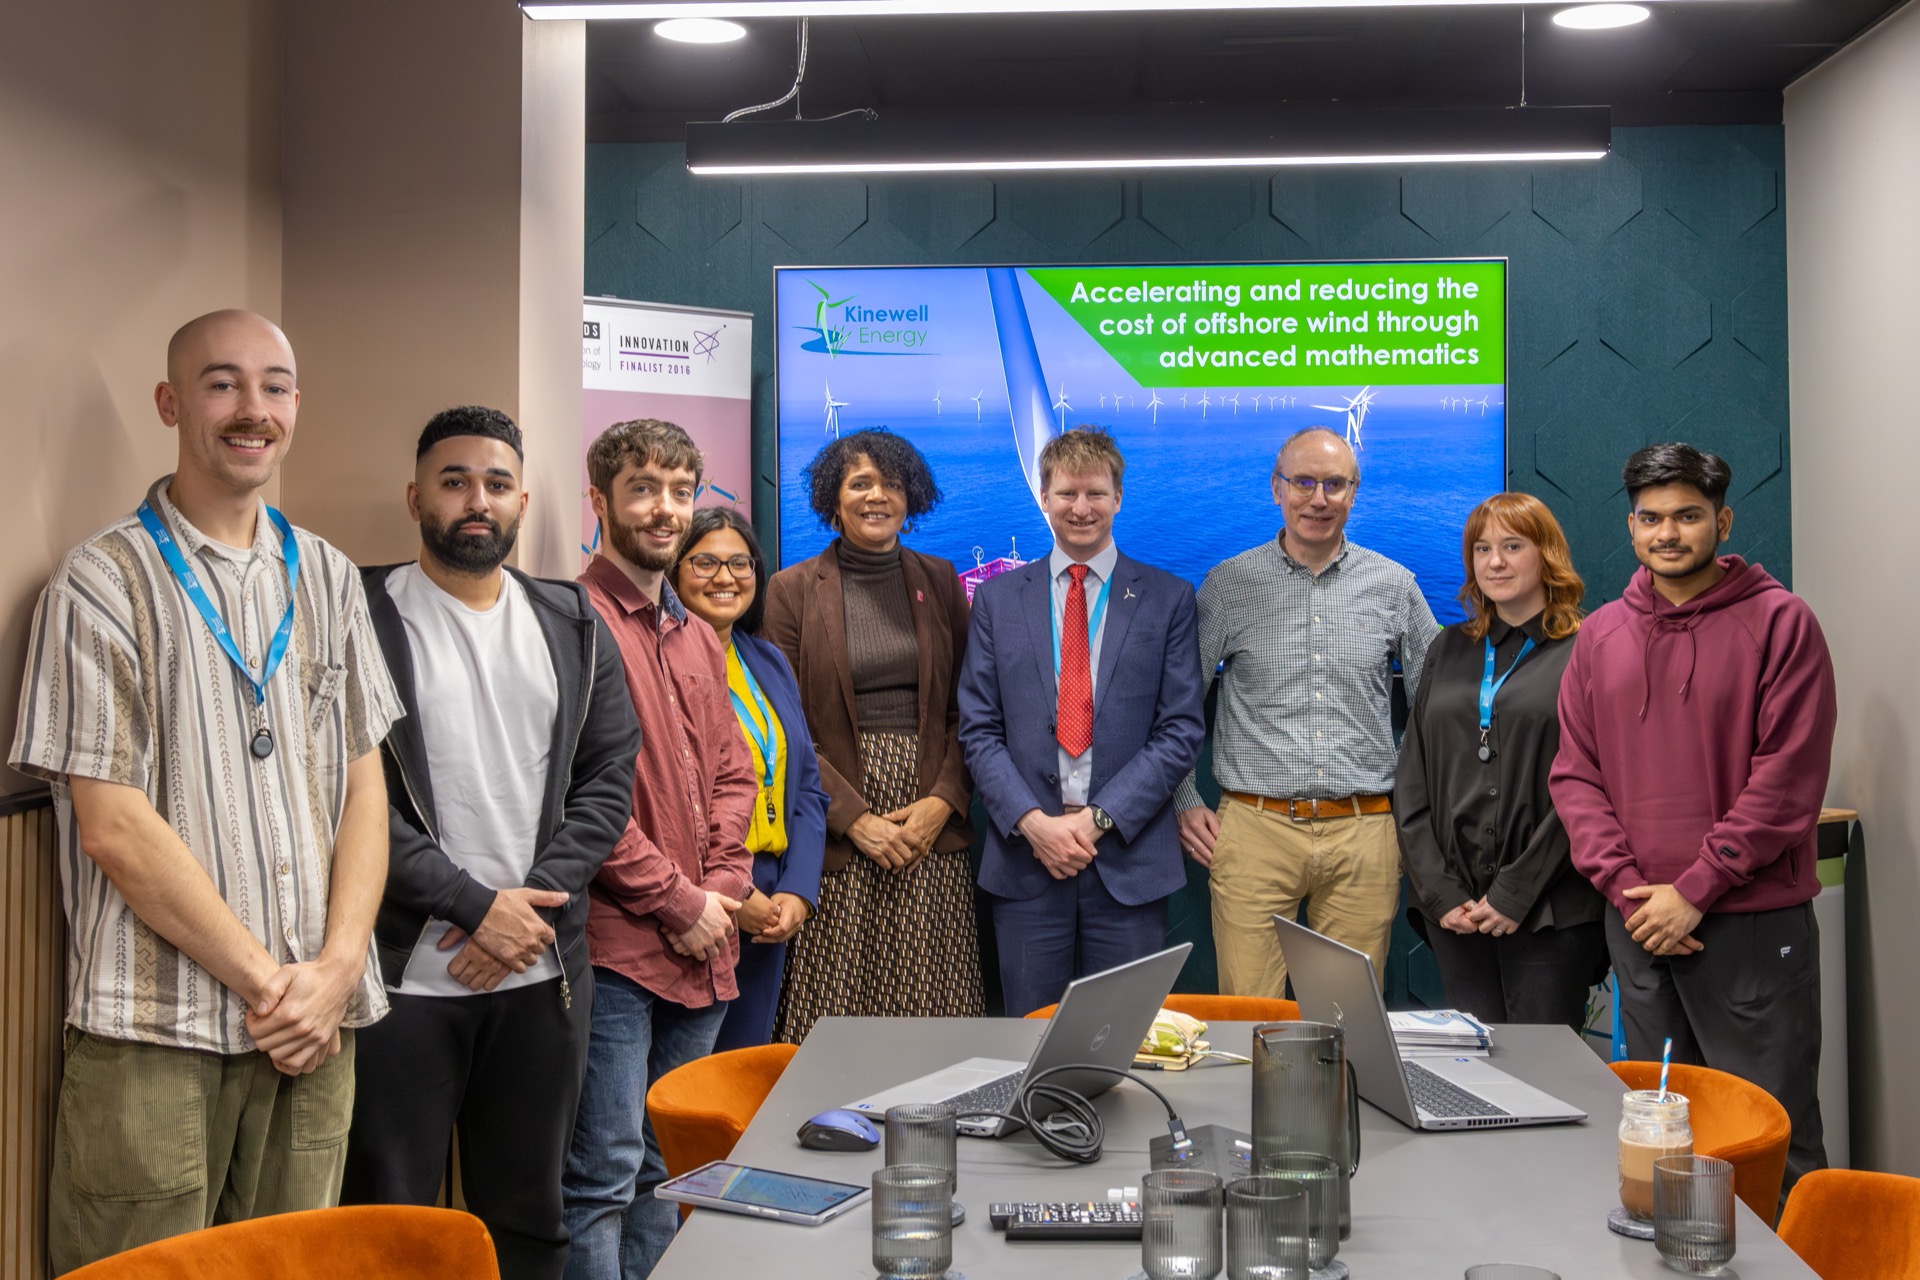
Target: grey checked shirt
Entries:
(1304, 695)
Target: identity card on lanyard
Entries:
(1489, 688)
(262, 745)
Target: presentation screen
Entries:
(1200, 372)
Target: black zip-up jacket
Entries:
(589, 795)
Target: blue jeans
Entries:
(619, 1229)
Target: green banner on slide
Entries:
(1302, 324)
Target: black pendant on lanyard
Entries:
(1489, 687)
(262, 744)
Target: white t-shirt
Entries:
(487, 695)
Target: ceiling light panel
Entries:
(1601, 17)
(635, 10)
(699, 30)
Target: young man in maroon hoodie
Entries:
(1696, 727)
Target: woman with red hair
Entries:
(1515, 929)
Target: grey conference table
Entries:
(1424, 1204)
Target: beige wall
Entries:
(139, 144)
(1853, 266)
(412, 258)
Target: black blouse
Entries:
(1471, 828)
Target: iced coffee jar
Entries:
(1652, 1124)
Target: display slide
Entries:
(1200, 372)
(681, 365)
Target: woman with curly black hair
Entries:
(874, 632)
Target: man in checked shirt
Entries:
(1303, 631)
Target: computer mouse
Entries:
(840, 1131)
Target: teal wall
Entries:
(1648, 292)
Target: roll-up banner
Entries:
(687, 365)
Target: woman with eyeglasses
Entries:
(721, 579)
(1515, 929)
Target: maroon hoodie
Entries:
(1694, 743)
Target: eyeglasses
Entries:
(1334, 486)
(705, 566)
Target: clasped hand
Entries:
(899, 839)
(510, 939)
(1665, 922)
(1479, 916)
(1064, 845)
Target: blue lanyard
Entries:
(1093, 623)
(766, 740)
(190, 583)
(1489, 687)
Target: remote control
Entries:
(1093, 1220)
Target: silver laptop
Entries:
(1101, 1020)
(1334, 983)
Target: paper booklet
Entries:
(1422, 1033)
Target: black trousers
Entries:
(1540, 976)
(1748, 1004)
(504, 1068)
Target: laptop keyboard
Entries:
(995, 1095)
(1442, 1098)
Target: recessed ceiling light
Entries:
(699, 30)
(1600, 17)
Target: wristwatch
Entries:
(1101, 818)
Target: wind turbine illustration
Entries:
(1234, 400)
(1183, 399)
(833, 412)
(936, 402)
(1483, 404)
(1204, 402)
(1356, 411)
(1103, 401)
(1153, 404)
(1061, 406)
(829, 338)
(976, 403)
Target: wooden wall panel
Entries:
(32, 949)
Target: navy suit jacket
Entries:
(1147, 725)
(797, 871)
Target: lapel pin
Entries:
(1129, 594)
(919, 595)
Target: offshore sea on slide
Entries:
(1197, 489)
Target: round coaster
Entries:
(1622, 1223)
(959, 1213)
(1335, 1270)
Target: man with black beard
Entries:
(508, 784)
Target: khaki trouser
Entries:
(1264, 864)
(153, 1141)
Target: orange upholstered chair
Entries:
(396, 1242)
(1733, 1119)
(700, 1109)
(1849, 1226)
(1219, 1008)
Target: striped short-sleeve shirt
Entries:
(125, 683)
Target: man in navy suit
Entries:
(1079, 715)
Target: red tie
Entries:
(1076, 680)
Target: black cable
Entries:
(1080, 1136)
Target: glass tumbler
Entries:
(1180, 1237)
(923, 1133)
(1319, 1176)
(912, 1222)
(1266, 1229)
(1693, 1213)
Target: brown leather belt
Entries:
(1309, 810)
(1071, 808)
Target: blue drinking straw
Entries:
(1666, 1059)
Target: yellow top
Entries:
(768, 834)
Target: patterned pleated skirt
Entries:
(890, 944)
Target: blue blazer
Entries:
(797, 871)
(1147, 725)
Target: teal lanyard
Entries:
(1093, 623)
(190, 583)
(1490, 688)
(766, 739)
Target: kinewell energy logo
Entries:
(843, 328)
